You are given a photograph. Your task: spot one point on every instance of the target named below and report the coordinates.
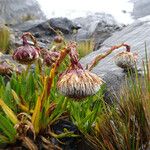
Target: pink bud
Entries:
(58, 39)
(51, 58)
(26, 54)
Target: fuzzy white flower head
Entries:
(79, 83)
(126, 60)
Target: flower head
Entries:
(26, 54)
(79, 83)
(126, 60)
(76, 82)
(58, 39)
(51, 57)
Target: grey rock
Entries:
(135, 35)
(2, 21)
(18, 11)
(16, 41)
(10, 65)
(65, 25)
(98, 26)
(43, 30)
(141, 8)
(26, 26)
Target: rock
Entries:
(141, 8)
(98, 26)
(18, 11)
(28, 25)
(135, 35)
(2, 21)
(43, 31)
(65, 25)
(8, 65)
(14, 40)
(67, 142)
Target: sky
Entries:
(79, 8)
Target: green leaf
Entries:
(10, 114)
(58, 111)
(7, 128)
(3, 139)
(15, 96)
(36, 116)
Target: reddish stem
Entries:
(74, 56)
(25, 42)
(102, 56)
(128, 48)
(63, 53)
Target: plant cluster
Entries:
(59, 87)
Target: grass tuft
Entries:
(126, 125)
(85, 47)
(4, 38)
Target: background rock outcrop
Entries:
(98, 26)
(141, 8)
(135, 35)
(43, 30)
(64, 25)
(17, 11)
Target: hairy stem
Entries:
(102, 56)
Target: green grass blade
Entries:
(7, 128)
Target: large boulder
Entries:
(64, 25)
(98, 26)
(44, 30)
(17, 11)
(141, 8)
(135, 35)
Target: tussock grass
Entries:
(4, 38)
(85, 47)
(126, 125)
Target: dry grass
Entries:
(85, 47)
(28, 17)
